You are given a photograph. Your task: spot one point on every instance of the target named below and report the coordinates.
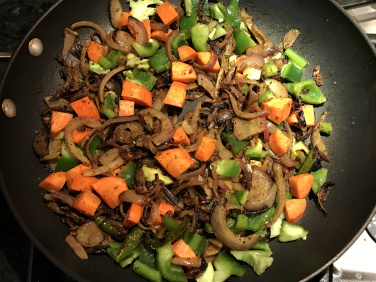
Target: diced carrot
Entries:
(206, 149)
(159, 35)
(204, 57)
(133, 215)
(79, 136)
(109, 189)
(309, 116)
(136, 93)
(87, 203)
(126, 108)
(182, 250)
(175, 161)
(59, 121)
(176, 94)
(280, 107)
(182, 72)
(294, 209)
(301, 184)
(82, 183)
(187, 53)
(180, 137)
(77, 170)
(147, 27)
(167, 13)
(279, 143)
(85, 107)
(95, 50)
(123, 19)
(163, 209)
(55, 181)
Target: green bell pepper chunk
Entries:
(172, 273)
(262, 246)
(208, 228)
(270, 69)
(319, 178)
(308, 162)
(130, 243)
(108, 106)
(105, 63)
(226, 266)
(295, 58)
(257, 151)
(113, 57)
(288, 194)
(66, 163)
(148, 256)
(129, 259)
(200, 36)
(228, 168)
(159, 61)
(216, 13)
(217, 32)
(291, 73)
(170, 223)
(142, 78)
(93, 147)
(114, 249)
(147, 272)
(241, 222)
(231, 224)
(128, 173)
(256, 222)
(197, 242)
(307, 91)
(266, 96)
(233, 14)
(237, 145)
(187, 22)
(259, 260)
(326, 128)
(178, 41)
(241, 196)
(147, 50)
(243, 41)
(207, 275)
(107, 227)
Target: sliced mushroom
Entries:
(89, 234)
(263, 191)
(317, 141)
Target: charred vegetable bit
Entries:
(181, 138)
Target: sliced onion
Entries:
(109, 156)
(271, 127)
(105, 79)
(115, 12)
(69, 39)
(72, 126)
(266, 129)
(253, 61)
(209, 65)
(168, 46)
(130, 196)
(98, 28)
(223, 152)
(167, 130)
(84, 66)
(317, 141)
(76, 247)
(54, 149)
(121, 41)
(277, 88)
(225, 235)
(139, 30)
(187, 128)
(191, 262)
(223, 185)
(246, 115)
(195, 145)
(118, 162)
(281, 193)
(64, 197)
(159, 26)
(189, 175)
(246, 172)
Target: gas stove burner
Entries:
(372, 228)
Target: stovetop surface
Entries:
(21, 261)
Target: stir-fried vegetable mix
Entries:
(183, 193)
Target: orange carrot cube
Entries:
(123, 19)
(280, 109)
(183, 250)
(136, 93)
(309, 116)
(301, 184)
(133, 215)
(279, 143)
(59, 121)
(87, 203)
(167, 13)
(187, 53)
(163, 209)
(95, 50)
(294, 209)
(55, 181)
(182, 72)
(206, 149)
(86, 107)
(180, 137)
(175, 161)
(79, 136)
(176, 94)
(204, 57)
(109, 189)
(126, 108)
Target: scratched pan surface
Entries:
(328, 38)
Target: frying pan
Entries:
(328, 38)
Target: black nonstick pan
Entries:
(328, 38)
